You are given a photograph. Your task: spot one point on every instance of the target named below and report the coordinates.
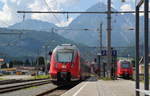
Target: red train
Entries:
(66, 64)
(124, 69)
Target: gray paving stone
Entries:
(103, 88)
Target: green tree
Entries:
(11, 64)
(27, 62)
(41, 61)
(4, 65)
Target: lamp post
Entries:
(130, 40)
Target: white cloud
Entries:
(44, 16)
(65, 23)
(126, 7)
(64, 2)
(8, 13)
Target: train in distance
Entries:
(67, 64)
(124, 69)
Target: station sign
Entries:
(104, 53)
(114, 53)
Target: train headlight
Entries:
(64, 66)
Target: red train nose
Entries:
(125, 70)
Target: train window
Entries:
(125, 64)
(64, 56)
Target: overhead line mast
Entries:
(109, 63)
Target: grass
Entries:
(32, 87)
(1, 79)
(42, 77)
(105, 78)
(141, 77)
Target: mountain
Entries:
(31, 24)
(36, 32)
(31, 43)
(121, 36)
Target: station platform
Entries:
(94, 87)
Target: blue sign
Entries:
(114, 53)
(103, 52)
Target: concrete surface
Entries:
(103, 88)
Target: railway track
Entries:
(59, 90)
(3, 82)
(18, 86)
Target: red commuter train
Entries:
(66, 64)
(124, 69)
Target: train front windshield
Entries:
(125, 64)
(64, 56)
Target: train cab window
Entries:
(64, 56)
(125, 64)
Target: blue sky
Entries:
(1, 5)
(9, 16)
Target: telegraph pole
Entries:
(109, 38)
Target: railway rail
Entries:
(18, 86)
(59, 90)
(3, 82)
